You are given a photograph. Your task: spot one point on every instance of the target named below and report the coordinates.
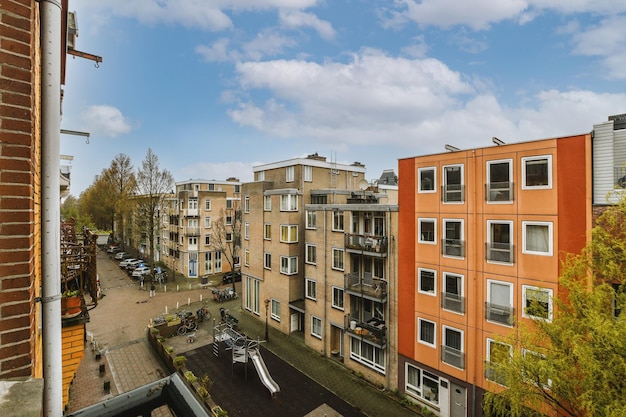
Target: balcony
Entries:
(499, 252)
(453, 302)
(192, 231)
(366, 243)
(366, 285)
(190, 212)
(499, 191)
(453, 357)
(453, 247)
(373, 330)
(499, 314)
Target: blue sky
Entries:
(215, 87)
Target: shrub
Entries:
(169, 349)
(202, 392)
(180, 361)
(190, 376)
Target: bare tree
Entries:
(226, 235)
(153, 184)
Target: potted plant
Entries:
(70, 304)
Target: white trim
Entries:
(419, 183)
(511, 240)
(419, 281)
(550, 238)
(548, 158)
(419, 230)
(419, 333)
(550, 302)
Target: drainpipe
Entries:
(50, 15)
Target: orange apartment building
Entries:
(483, 233)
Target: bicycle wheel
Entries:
(191, 325)
(181, 330)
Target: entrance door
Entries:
(295, 322)
(458, 400)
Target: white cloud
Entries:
(297, 19)
(216, 171)
(606, 40)
(106, 121)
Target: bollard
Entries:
(165, 288)
(177, 288)
(200, 297)
(165, 309)
(176, 305)
(188, 301)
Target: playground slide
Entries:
(264, 374)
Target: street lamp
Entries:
(267, 304)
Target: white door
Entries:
(458, 400)
(294, 322)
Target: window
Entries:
(422, 384)
(252, 291)
(218, 261)
(288, 202)
(308, 173)
(260, 176)
(338, 259)
(267, 260)
(246, 257)
(267, 203)
(537, 238)
(426, 332)
(311, 219)
(229, 220)
(311, 289)
(288, 233)
(535, 370)
(498, 355)
(338, 298)
(499, 185)
(499, 307)
(316, 327)
(368, 354)
(211, 187)
(193, 240)
(452, 189)
(267, 231)
(229, 203)
(453, 244)
(427, 283)
(338, 221)
(500, 241)
(208, 262)
(246, 231)
(275, 310)
(537, 172)
(207, 222)
(427, 181)
(193, 204)
(237, 189)
(426, 231)
(452, 349)
(289, 265)
(207, 204)
(452, 297)
(229, 236)
(319, 199)
(311, 254)
(537, 303)
(246, 204)
(289, 174)
(379, 268)
(207, 240)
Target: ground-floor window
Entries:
(252, 294)
(276, 309)
(218, 261)
(422, 384)
(316, 327)
(193, 264)
(367, 354)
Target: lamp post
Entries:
(267, 304)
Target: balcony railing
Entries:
(453, 193)
(192, 231)
(453, 302)
(373, 330)
(366, 284)
(366, 243)
(499, 191)
(499, 252)
(453, 356)
(499, 314)
(494, 373)
(453, 247)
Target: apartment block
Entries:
(273, 238)
(482, 238)
(350, 272)
(200, 227)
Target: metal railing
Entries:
(366, 243)
(499, 314)
(366, 284)
(453, 302)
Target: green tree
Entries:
(574, 364)
(153, 186)
(120, 184)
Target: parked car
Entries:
(130, 267)
(113, 249)
(122, 255)
(230, 276)
(125, 262)
(141, 271)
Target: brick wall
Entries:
(20, 239)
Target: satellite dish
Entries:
(363, 184)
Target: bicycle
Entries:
(187, 323)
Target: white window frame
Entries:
(288, 202)
(289, 230)
(314, 331)
(246, 257)
(432, 293)
(267, 203)
(419, 230)
(444, 277)
(311, 219)
(526, 352)
(511, 299)
(310, 251)
(550, 226)
(207, 204)
(267, 231)
(246, 231)
(267, 260)
(550, 294)
(246, 204)
(491, 223)
(338, 217)
(291, 265)
(488, 359)
(488, 176)
(444, 184)
(207, 240)
(419, 180)
(359, 356)
(228, 237)
(461, 237)
(311, 287)
(420, 322)
(192, 203)
(260, 176)
(336, 266)
(443, 343)
(338, 298)
(289, 173)
(528, 159)
(308, 173)
(229, 220)
(207, 222)
(275, 309)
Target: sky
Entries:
(215, 87)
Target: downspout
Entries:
(325, 279)
(50, 15)
(390, 298)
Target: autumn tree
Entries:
(153, 186)
(575, 364)
(120, 185)
(226, 235)
(70, 209)
(95, 203)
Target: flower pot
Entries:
(70, 307)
